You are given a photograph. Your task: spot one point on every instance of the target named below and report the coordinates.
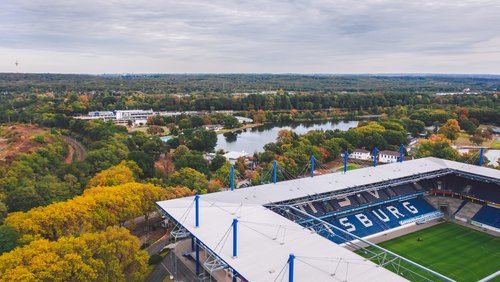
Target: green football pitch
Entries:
(458, 252)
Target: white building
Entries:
(133, 114)
(388, 156)
(233, 156)
(243, 119)
(105, 115)
(214, 126)
(121, 116)
(360, 154)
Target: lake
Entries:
(253, 140)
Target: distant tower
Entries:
(17, 65)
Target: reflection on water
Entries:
(254, 139)
(230, 137)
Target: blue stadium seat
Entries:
(377, 219)
(485, 191)
(488, 215)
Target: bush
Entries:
(145, 245)
(154, 259)
(39, 138)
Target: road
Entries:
(79, 149)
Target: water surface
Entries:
(253, 140)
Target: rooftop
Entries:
(265, 239)
(390, 153)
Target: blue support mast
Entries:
(275, 168)
(401, 149)
(481, 152)
(232, 178)
(197, 210)
(291, 261)
(375, 151)
(346, 155)
(235, 238)
(312, 166)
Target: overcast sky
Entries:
(296, 36)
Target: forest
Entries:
(231, 83)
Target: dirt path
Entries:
(74, 147)
(69, 155)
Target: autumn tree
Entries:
(155, 130)
(125, 172)
(477, 139)
(450, 129)
(285, 136)
(436, 146)
(98, 208)
(112, 255)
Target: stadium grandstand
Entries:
(306, 229)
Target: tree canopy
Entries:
(111, 255)
(96, 209)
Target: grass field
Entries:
(495, 145)
(455, 251)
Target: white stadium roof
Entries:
(265, 238)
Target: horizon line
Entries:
(262, 73)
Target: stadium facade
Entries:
(298, 230)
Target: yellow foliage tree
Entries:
(370, 128)
(98, 208)
(112, 255)
(125, 172)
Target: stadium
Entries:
(421, 220)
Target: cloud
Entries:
(250, 36)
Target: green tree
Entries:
(190, 178)
(230, 122)
(438, 147)
(185, 123)
(217, 162)
(8, 237)
(145, 162)
(193, 160)
(223, 174)
(202, 140)
(3, 211)
(415, 127)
